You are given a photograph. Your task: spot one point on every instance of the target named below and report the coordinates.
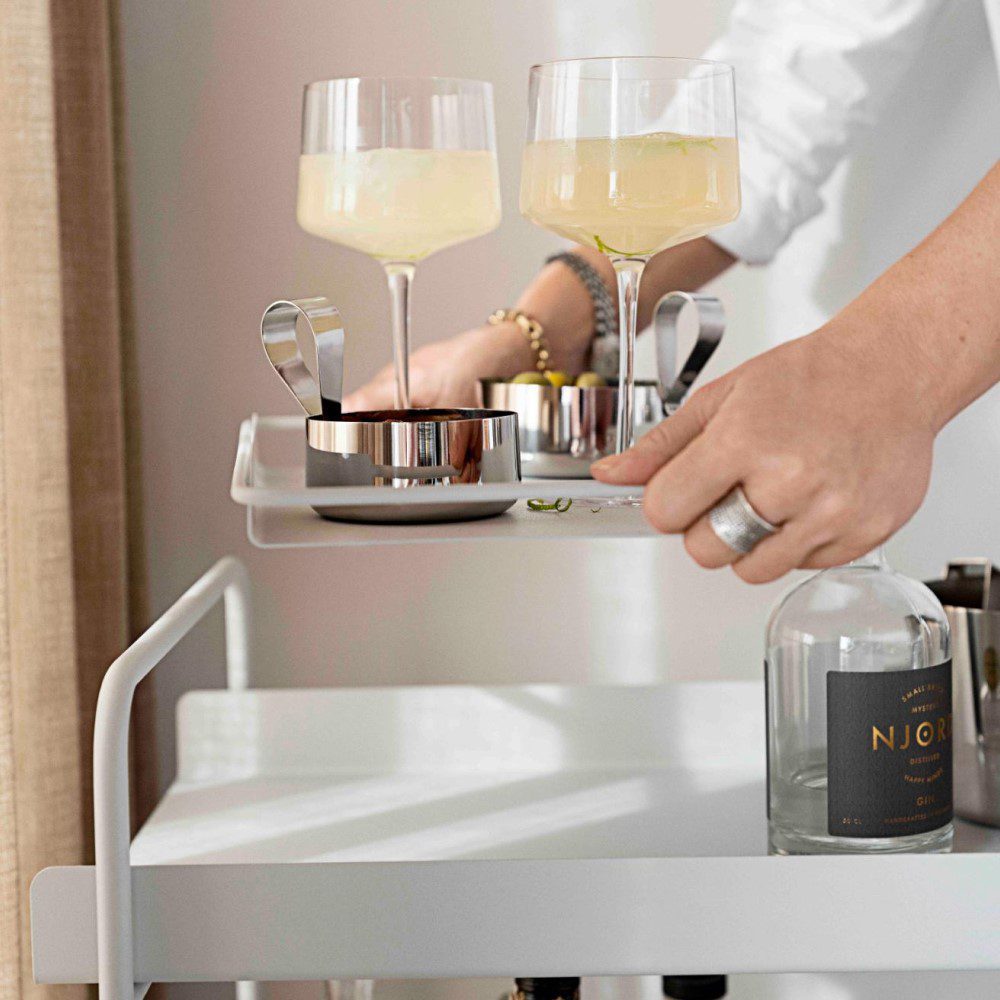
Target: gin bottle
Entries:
(858, 678)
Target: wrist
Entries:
(890, 360)
(560, 302)
(936, 361)
(499, 351)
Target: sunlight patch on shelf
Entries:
(494, 829)
(266, 812)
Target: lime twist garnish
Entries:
(560, 505)
(604, 248)
(685, 144)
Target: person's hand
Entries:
(830, 436)
(447, 373)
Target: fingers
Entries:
(663, 442)
(785, 550)
(650, 452)
(705, 547)
(692, 483)
(808, 540)
(789, 548)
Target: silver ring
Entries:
(736, 524)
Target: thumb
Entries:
(668, 438)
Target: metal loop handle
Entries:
(674, 387)
(277, 331)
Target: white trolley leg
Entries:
(238, 679)
(226, 579)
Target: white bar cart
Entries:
(457, 831)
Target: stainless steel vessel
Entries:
(407, 449)
(970, 593)
(563, 430)
(397, 449)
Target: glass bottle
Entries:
(858, 676)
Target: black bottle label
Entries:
(888, 752)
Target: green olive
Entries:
(530, 378)
(589, 380)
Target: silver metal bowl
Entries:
(563, 430)
(407, 449)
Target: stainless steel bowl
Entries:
(407, 449)
(970, 593)
(563, 430)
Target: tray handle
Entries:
(674, 387)
(326, 329)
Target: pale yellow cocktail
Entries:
(631, 196)
(398, 204)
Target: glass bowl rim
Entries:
(717, 68)
(399, 79)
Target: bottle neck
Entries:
(871, 560)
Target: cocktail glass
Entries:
(630, 156)
(398, 169)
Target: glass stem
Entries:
(400, 275)
(628, 271)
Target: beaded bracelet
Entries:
(531, 328)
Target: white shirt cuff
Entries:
(774, 203)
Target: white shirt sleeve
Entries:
(811, 76)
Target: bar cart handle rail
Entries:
(228, 581)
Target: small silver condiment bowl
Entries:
(397, 449)
(406, 449)
(564, 430)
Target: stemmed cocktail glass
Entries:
(630, 156)
(398, 169)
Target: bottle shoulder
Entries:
(850, 605)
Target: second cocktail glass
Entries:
(630, 156)
(398, 169)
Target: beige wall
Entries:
(213, 90)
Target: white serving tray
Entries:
(269, 480)
(538, 830)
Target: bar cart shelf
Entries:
(462, 831)
(459, 831)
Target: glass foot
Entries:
(635, 501)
